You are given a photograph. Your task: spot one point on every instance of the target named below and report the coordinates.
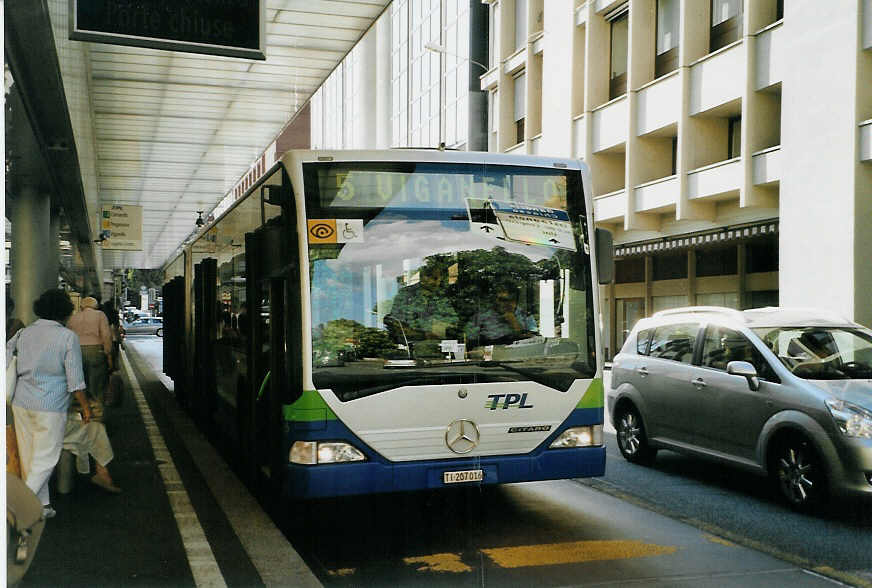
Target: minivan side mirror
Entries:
(746, 370)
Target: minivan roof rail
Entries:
(731, 312)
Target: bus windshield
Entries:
(426, 274)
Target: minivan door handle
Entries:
(699, 383)
(642, 371)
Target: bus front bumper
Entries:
(370, 477)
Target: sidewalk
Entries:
(146, 536)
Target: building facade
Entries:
(730, 141)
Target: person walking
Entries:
(95, 337)
(49, 373)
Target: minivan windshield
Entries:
(821, 353)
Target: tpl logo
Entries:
(505, 401)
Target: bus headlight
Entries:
(318, 452)
(589, 436)
(852, 420)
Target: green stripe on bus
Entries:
(593, 397)
(309, 407)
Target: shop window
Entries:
(666, 50)
(763, 298)
(761, 255)
(716, 261)
(620, 28)
(727, 299)
(671, 266)
(630, 270)
(726, 23)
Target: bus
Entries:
(380, 321)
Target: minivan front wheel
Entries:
(799, 473)
(632, 440)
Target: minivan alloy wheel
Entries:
(799, 473)
(631, 438)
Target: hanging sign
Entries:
(233, 28)
(121, 227)
(537, 225)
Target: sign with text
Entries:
(539, 225)
(121, 227)
(233, 28)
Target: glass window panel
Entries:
(667, 25)
(620, 31)
(520, 23)
(520, 83)
(723, 10)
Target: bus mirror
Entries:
(605, 261)
(273, 194)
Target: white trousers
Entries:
(87, 438)
(40, 436)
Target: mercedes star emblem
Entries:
(461, 436)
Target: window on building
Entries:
(493, 39)
(734, 137)
(666, 51)
(670, 266)
(520, 24)
(716, 261)
(761, 255)
(674, 155)
(763, 298)
(629, 311)
(620, 28)
(630, 270)
(520, 84)
(726, 23)
(727, 299)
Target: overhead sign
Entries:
(121, 227)
(234, 28)
(539, 225)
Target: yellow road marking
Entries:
(720, 540)
(342, 572)
(573, 552)
(439, 562)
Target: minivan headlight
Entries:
(318, 452)
(852, 420)
(589, 436)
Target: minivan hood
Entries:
(857, 392)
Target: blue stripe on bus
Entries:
(377, 474)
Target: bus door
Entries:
(201, 396)
(267, 284)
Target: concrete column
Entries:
(31, 213)
(825, 233)
(557, 107)
(366, 80)
(383, 105)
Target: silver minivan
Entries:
(781, 392)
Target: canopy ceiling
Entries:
(175, 131)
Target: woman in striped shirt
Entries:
(49, 374)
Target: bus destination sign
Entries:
(233, 28)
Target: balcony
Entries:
(866, 140)
(581, 15)
(766, 166)
(658, 104)
(490, 78)
(770, 56)
(578, 138)
(657, 195)
(515, 62)
(610, 124)
(717, 78)
(610, 208)
(715, 180)
(536, 145)
(520, 148)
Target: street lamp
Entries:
(437, 48)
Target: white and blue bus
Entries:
(381, 321)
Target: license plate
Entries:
(462, 476)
